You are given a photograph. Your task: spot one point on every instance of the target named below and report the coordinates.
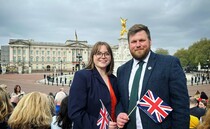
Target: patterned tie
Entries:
(134, 97)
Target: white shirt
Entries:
(133, 71)
(54, 124)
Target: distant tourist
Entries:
(17, 95)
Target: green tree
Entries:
(183, 56)
(198, 52)
(162, 51)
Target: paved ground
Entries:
(29, 82)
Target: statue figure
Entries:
(123, 24)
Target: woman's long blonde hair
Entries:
(206, 123)
(32, 112)
(6, 107)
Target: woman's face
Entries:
(102, 58)
(201, 105)
(18, 89)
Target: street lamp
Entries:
(61, 67)
(207, 66)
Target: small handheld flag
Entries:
(104, 118)
(154, 107)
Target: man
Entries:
(161, 74)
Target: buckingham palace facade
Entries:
(26, 56)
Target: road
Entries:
(29, 83)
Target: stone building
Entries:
(26, 56)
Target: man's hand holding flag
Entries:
(153, 106)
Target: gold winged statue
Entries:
(123, 24)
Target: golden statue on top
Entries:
(123, 24)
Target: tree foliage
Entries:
(198, 52)
(183, 56)
(162, 51)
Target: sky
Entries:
(174, 24)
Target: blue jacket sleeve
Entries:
(77, 102)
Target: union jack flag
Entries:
(154, 107)
(104, 118)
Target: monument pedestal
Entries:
(3, 69)
(29, 70)
(20, 70)
(54, 71)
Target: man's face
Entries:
(139, 45)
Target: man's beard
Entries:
(141, 56)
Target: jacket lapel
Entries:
(127, 73)
(148, 71)
(98, 76)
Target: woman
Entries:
(92, 84)
(6, 109)
(62, 121)
(33, 111)
(16, 95)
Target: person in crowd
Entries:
(4, 86)
(52, 103)
(91, 84)
(62, 121)
(51, 94)
(194, 122)
(202, 103)
(33, 111)
(206, 122)
(161, 74)
(16, 95)
(6, 109)
(194, 109)
(197, 95)
(203, 95)
(58, 99)
(208, 104)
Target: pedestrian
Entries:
(161, 74)
(57, 80)
(61, 79)
(65, 79)
(192, 81)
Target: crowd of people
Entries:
(99, 99)
(200, 79)
(34, 110)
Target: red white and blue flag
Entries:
(104, 118)
(154, 107)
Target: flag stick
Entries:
(132, 110)
(130, 113)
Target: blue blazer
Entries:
(167, 80)
(84, 105)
